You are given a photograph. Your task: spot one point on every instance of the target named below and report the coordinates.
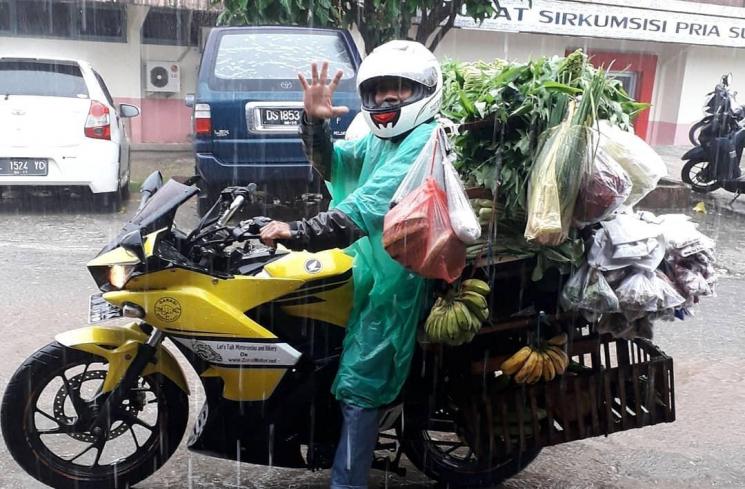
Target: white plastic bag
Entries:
(462, 218)
(641, 162)
(427, 165)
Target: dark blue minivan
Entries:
(248, 105)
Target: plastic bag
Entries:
(435, 161)
(598, 296)
(691, 283)
(643, 165)
(571, 295)
(682, 235)
(668, 297)
(637, 295)
(601, 254)
(588, 290)
(463, 219)
(603, 190)
(427, 165)
(563, 160)
(417, 233)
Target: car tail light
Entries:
(98, 123)
(202, 120)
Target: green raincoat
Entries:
(388, 299)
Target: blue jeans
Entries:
(354, 454)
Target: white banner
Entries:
(242, 353)
(611, 21)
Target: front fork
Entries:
(145, 354)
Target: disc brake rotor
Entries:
(62, 418)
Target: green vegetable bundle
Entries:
(504, 110)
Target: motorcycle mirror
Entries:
(152, 183)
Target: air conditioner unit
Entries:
(162, 76)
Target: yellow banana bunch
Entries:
(529, 365)
(456, 319)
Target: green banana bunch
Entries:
(456, 318)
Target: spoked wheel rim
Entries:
(443, 441)
(60, 414)
(699, 174)
(455, 445)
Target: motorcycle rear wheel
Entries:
(692, 175)
(432, 444)
(49, 439)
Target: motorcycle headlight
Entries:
(119, 274)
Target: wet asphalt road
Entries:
(45, 287)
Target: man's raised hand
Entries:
(318, 94)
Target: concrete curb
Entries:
(156, 147)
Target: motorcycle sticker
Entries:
(313, 266)
(167, 309)
(206, 352)
(242, 353)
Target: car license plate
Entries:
(24, 166)
(280, 117)
(100, 310)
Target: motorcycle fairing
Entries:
(204, 311)
(695, 153)
(302, 412)
(118, 345)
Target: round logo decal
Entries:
(313, 266)
(168, 309)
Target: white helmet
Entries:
(409, 60)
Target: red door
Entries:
(636, 71)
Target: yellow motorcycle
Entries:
(105, 406)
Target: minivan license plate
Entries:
(280, 117)
(24, 166)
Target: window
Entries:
(278, 55)
(105, 89)
(166, 27)
(176, 27)
(5, 24)
(49, 78)
(101, 21)
(67, 19)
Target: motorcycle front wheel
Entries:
(48, 408)
(696, 174)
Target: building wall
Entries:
(664, 127)
(684, 73)
(164, 117)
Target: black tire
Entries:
(20, 416)
(691, 172)
(108, 201)
(125, 191)
(454, 471)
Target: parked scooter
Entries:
(718, 138)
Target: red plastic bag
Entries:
(417, 233)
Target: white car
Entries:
(60, 128)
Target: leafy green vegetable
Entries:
(504, 108)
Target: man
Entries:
(400, 84)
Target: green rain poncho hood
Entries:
(388, 299)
